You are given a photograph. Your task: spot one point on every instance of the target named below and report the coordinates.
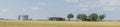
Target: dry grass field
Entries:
(15, 23)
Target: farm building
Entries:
(56, 19)
(23, 17)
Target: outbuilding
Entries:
(56, 19)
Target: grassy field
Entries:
(14, 23)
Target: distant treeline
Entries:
(82, 17)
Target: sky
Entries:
(42, 9)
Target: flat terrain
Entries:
(15, 23)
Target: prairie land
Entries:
(15, 23)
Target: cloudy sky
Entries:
(42, 9)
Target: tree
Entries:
(70, 16)
(93, 17)
(82, 17)
(79, 17)
(101, 17)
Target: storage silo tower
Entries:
(25, 17)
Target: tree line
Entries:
(84, 17)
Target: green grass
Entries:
(13, 23)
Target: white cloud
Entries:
(72, 1)
(83, 6)
(80, 7)
(106, 5)
(115, 3)
(4, 10)
(108, 9)
(32, 8)
(73, 10)
(84, 9)
(104, 2)
(24, 9)
(110, 5)
(42, 3)
(110, 2)
(35, 8)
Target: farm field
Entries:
(15, 23)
